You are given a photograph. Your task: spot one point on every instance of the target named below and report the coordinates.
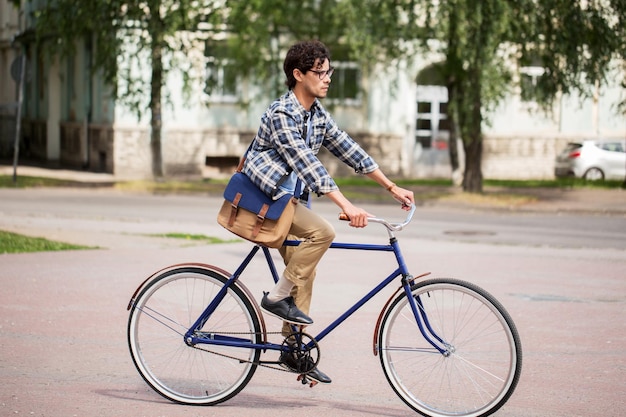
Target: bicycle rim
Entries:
(164, 311)
(484, 362)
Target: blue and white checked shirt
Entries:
(279, 147)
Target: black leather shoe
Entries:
(285, 309)
(289, 361)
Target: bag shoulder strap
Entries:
(307, 134)
(242, 160)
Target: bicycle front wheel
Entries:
(481, 363)
(165, 309)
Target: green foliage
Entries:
(576, 42)
(62, 25)
(127, 35)
(482, 44)
(262, 30)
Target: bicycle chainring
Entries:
(302, 353)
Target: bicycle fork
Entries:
(421, 318)
(419, 313)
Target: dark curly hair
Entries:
(303, 56)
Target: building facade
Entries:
(70, 118)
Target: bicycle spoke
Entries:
(480, 368)
(163, 313)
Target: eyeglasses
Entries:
(323, 74)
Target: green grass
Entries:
(16, 243)
(174, 186)
(556, 183)
(196, 238)
(6, 181)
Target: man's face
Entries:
(317, 80)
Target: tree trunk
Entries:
(453, 62)
(452, 145)
(471, 124)
(453, 149)
(453, 152)
(473, 176)
(156, 84)
(155, 109)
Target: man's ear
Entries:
(298, 75)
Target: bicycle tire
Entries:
(169, 305)
(484, 362)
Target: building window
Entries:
(222, 82)
(529, 78)
(431, 123)
(344, 88)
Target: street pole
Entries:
(18, 121)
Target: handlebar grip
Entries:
(343, 216)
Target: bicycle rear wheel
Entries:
(483, 359)
(164, 310)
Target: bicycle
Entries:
(447, 347)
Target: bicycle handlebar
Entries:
(389, 225)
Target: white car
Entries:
(593, 160)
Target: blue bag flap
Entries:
(252, 198)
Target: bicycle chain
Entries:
(244, 360)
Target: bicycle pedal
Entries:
(303, 378)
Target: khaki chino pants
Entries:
(316, 234)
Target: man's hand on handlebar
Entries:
(357, 216)
(403, 196)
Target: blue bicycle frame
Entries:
(194, 336)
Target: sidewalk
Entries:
(561, 200)
(597, 201)
(59, 174)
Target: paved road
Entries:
(63, 319)
(97, 216)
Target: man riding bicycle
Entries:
(291, 133)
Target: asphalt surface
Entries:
(597, 201)
(63, 315)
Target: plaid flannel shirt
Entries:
(279, 148)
